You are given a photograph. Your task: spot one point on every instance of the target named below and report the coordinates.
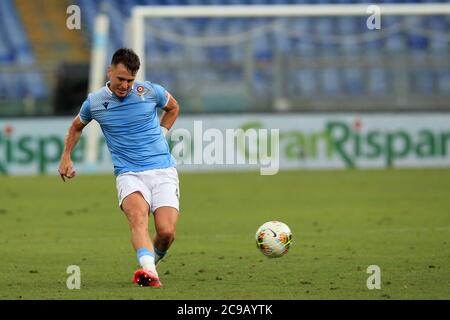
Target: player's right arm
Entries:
(66, 166)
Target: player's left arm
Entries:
(171, 110)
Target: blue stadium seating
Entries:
(330, 81)
(323, 38)
(378, 82)
(302, 83)
(353, 81)
(317, 38)
(444, 81)
(16, 51)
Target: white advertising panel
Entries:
(265, 142)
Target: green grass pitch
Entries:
(342, 222)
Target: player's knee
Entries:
(138, 219)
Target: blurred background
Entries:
(217, 65)
(230, 64)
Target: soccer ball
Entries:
(273, 239)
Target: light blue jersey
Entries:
(131, 126)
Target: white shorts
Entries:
(159, 187)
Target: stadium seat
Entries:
(438, 41)
(444, 81)
(378, 82)
(416, 39)
(280, 40)
(262, 83)
(237, 51)
(34, 85)
(3, 84)
(304, 83)
(5, 54)
(353, 81)
(320, 38)
(330, 81)
(423, 82)
(16, 50)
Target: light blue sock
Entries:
(146, 258)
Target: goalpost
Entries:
(140, 13)
(96, 81)
(201, 81)
(176, 30)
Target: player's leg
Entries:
(165, 225)
(136, 210)
(165, 206)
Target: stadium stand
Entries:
(15, 51)
(323, 61)
(319, 38)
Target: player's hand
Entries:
(66, 169)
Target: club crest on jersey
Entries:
(140, 90)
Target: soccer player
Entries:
(146, 178)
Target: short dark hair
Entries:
(128, 58)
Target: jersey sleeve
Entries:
(162, 96)
(85, 112)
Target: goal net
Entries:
(258, 58)
(296, 57)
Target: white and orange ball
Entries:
(273, 239)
